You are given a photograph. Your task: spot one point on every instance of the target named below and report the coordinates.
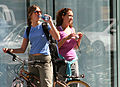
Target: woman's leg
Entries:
(74, 68)
(46, 75)
(75, 71)
(45, 70)
(33, 70)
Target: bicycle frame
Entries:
(27, 76)
(24, 74)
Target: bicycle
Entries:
(25, 77)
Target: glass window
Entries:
(96, 19)
(97, 54)
(12, 26)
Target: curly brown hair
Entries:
(60, 13)
(31, 9)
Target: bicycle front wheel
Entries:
(17, 83)
(77, 83)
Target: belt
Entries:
(36, 54)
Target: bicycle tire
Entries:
(59, 84)
(77, 83)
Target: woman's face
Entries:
(68, 18)
(35, 15)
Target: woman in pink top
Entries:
(69, 40)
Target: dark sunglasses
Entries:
(38, 12)
(64, 11)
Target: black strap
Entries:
(49, 37)
(28, 31)
(45, 29)
(53, 46)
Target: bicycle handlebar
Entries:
(23, 61)
(14, 56)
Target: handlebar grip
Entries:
(14, 56)
(10, 53)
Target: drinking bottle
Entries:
(44, 17)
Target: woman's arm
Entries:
(18, 50)
(53, 31)
(79, 39)
(62, 41)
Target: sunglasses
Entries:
(37, 12)
(64, 11)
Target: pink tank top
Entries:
(67, 49)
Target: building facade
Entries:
(98, 20)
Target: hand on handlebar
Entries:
(5, 50)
